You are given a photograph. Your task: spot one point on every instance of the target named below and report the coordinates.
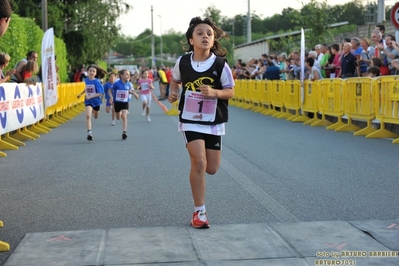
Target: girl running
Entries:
(207, 84)
(145, 85)
(119, 97)
(107, 86)
(94, 91)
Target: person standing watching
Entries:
(348, 62)
(31, 55)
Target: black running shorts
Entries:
(212, 142)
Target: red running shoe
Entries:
(199, 220)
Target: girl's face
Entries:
(112, 78)
(125, 76)
(145, 74)
(203, 37)
(91, 72)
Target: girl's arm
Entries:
(80, 94)
(223, 94)
(173, 91)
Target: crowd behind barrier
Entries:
(23, 115)
(361, 105)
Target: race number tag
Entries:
(199, 108)
(122, 96)
(90, 90)
(145, 86)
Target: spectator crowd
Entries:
(353, 57)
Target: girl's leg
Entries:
(96, 113)
(89, 111)
(213, 161)
(124, 119)
(196, 150)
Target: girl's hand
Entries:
(207, 91)
(173, 97)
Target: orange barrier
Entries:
(386, 99)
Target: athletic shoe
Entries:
(124, 136)
(148, 118)
(199, 220)
(89, 137)
(113, 123)
(143, 113)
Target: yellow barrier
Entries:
(386, 98)
(292, 95)
(308, 98)
(174, 110)
(256, 96)
(266, 97)
(278, 88)
(246, 86)
(3, 245)
(331, 102)
(239, 93)
(358, 105)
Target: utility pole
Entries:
(249, 38)
(152, 40)
(44, 15)
(381, 11)
(161, 39)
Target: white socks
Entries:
(200, 208)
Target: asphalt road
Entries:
(272, 170)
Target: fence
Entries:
(333, 103)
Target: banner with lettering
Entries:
(49, 73)
(20, 106)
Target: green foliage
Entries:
(22, 36)
(88, 27)
(316, 17)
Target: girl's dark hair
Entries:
(122, 71)
(217, 49)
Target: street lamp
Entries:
(160, 19)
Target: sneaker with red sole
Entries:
(199, 220)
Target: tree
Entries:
(316, 17)
(88, 27)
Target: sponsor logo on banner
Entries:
(18, 104)
(3, 107)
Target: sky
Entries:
(176, 14)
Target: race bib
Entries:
(145, 86)
(122, 96)
(90, 90)
(199, 108)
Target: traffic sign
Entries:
(395, 15)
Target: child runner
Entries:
(145, 86)
(94, 91)
(107, 86)
(119, 96)
(207, 84)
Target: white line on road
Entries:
(281, 213)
